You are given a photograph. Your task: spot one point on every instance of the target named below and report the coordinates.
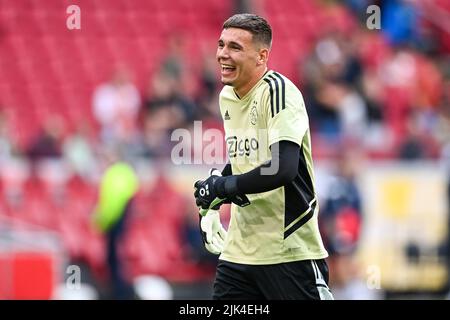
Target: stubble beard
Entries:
(227, 82)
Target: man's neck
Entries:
(241, 92)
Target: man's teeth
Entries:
(224, 67)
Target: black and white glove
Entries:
(214, 191)
(205, 193)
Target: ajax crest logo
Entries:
(253, 115)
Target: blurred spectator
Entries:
(48, 142)
(331, 72)
(416, 144)
(350, 109)
(47, 163)
(336, 57)
(373, 96)
(352, 114)
(176, 67)
(116, 107)
(209, 91)
(173, 63)
(163, 96)
(341, 220)
(341, 214)
(79, 152)
(118, 187)
(167, 109)
(156, 135)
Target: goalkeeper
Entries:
(273, 249)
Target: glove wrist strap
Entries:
(227, 187)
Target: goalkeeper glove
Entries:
(205, 193)
(213, 233)
(211, 193)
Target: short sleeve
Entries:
(286, 114)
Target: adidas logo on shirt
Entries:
(227, 116)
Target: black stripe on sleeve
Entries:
(283, 90)
(271, 96)
(277, 93)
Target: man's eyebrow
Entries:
(231, 43)
(235, 44)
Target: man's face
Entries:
(237, 56)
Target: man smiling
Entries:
(273, 249)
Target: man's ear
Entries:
(263, 55)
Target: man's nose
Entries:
(222, 53)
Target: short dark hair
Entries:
(256, 25)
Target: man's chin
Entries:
(226, 82)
